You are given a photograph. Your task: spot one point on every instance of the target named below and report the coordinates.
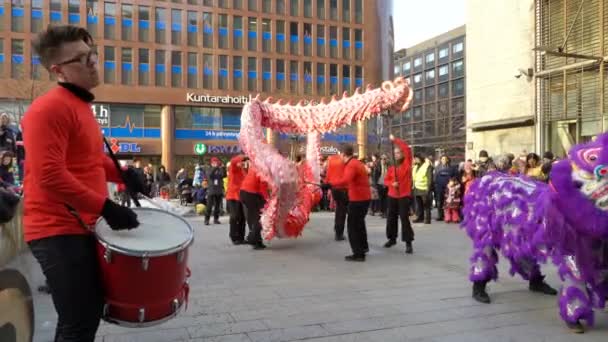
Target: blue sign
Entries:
(123, 147)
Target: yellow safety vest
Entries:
(421, 181)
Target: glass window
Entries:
(280, 6)
(430, 76)
(293, 76)
(307, 39)
(160, 16)
(207, 30)
(444, 90)
(192, 28)
(223, 31)
(252, 34)
(397, 70)
(176, 69)
(293, 7)
(321, 41)
(2, 58)
(252, 73)
(109, 65)
(333, 9)
(127, 66)
(417, 62)
(458, 68)
(458, 47)
(280, 70)
(346, 43)
(237, 69)
(109, 27)
(237, 39)
(223, 71)
(266, 35)
(321, 9)
(280, 44)
(266, 6)
(444, 71)
(35, 17)
(144, 23)
(151, 116)
(160, 68)
(308, 78)
(407, 66)
(208, 3)
(458, 87)
(266, 75)
(176, 27)
(36, 66)
(418, 113)
(74, 12)
(294, 37)
(55, 13)
(308, 8)
(430, 58)
(333, 42)
(223, 3)
(199, 117)
(126, 12)
(252, 5)
(418, 96)
(237, 4)
(92, 17)
(346, 77)
(429, 94)
(208, 71)
(144, 67)
(443, 53)
(418, 79)
(358, 44)
(359, 11)
(192, 78)
(18, 16)
(321, 90)
(333, 79)
(346, 10)
(358, 76)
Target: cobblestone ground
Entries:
(303, 290)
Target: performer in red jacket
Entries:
(399, 182)
(236, 175)
(356, 181)
(66, 168)
(335, 171)
(254, 194)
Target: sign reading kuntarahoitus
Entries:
(234, 100)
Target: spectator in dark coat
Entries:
(7, 135)
(215, 192)
(6, 172)
(443, 173)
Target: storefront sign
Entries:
(102, 114)
(123, 147)
(200, 149)
(328, 150)
(234, 100)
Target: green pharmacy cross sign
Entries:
(200, 149)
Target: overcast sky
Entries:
(418, 20)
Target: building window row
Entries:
(431, 58)
(441, 73)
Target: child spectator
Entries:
(452, 201)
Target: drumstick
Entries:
(121, 173)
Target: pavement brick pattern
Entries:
(302, 290)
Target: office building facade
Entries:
(435, 122)
(175, 74)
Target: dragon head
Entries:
(590, 170)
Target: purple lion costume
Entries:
(530, 222)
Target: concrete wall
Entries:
(500, 39)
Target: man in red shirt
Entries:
(236, 175)
(254, 194)
(399, 182)
(67, 168)
(335, 171)
(356, 180)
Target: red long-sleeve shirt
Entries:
(236, 175)
(404, 173)
(335, 170)
(254, 184)
(356, 180)
(65, 164)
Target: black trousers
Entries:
(440, 199)
(399, 208)
(237, 220)
(357, 232)
(214, 202)
(382, 198)
(423, 207)
(253, 204)
(341, 198)
(69, 263)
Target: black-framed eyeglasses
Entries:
(88, 59)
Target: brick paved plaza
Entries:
(303, 290)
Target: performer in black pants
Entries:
(254, 193)
(335, 171)
(236, 175)
(399, 182)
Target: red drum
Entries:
(144, 270)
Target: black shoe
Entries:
(427, 221)
(259, 246)
(239, 242)
(390, 243)
(479, 292)
(340, 238)
(539, 285)
(418, 220)
(216, 222)
(439, 219)
(576, 328)
(408, 248)
(206, 222)
(358, 258)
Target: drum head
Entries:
(16, 308)
(159, 233)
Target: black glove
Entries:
(325, 186)
(118, 217)
(134, 181)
